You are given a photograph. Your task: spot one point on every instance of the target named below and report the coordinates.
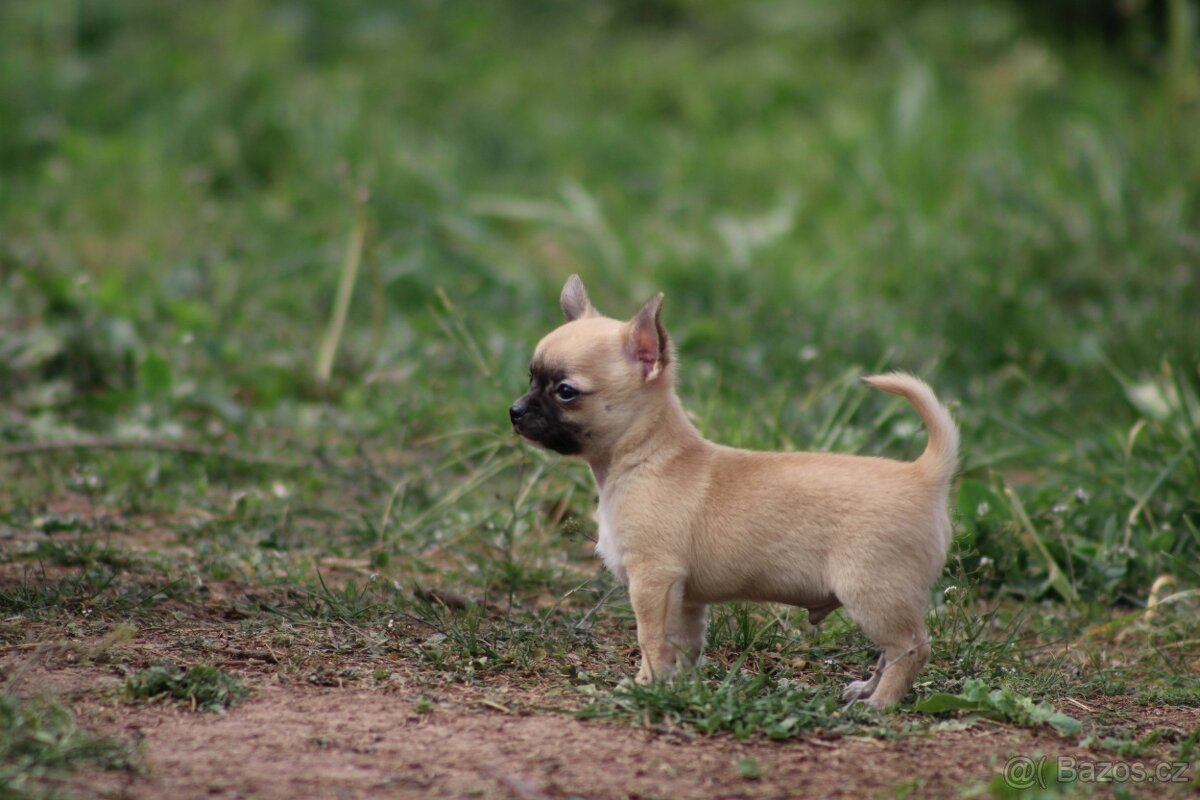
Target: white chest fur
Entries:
(608, 541)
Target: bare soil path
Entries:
(294, 741)
(331, 715)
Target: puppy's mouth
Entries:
(534, 425)
(561, 440)
(522, 428)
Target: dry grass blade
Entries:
(1054, 574)
(341, 304)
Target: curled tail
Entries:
(941, 453)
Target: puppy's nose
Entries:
(517, 410)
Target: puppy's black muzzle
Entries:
(525, 417)
(538, 420)
(518, 410)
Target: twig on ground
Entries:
(581, 623)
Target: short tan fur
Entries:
(685, 522)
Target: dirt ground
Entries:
(305, 732)
(293, 741)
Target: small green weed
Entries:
(79, 553)
(745, 626)
(979, 644)
(1187, 748)
(37, 593)
(1171, 694)
(1129, 747)
(84, 590)
(204, 687)
(1044, 784)
(41, 742)
(999, 704)
(355, 602)
(741, 703)
(749, 768)
(468, 642)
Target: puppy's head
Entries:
(591, 378)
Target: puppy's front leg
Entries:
(657, 599)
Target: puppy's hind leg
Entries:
(862, 690)
(899, 630)
(900, 672)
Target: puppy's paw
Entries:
(879, 704)
(858, 691)
(646, 675)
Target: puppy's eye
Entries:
(566, 392)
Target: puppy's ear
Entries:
(574, 300)
(648, 344)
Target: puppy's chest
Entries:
(608, 540)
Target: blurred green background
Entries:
(1002, 197)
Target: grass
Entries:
(1002, 704)
(270, 274)
(741, 704)
(40, 743)
(202, 687)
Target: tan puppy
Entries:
(685, 522)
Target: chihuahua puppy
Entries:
(684, 522)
